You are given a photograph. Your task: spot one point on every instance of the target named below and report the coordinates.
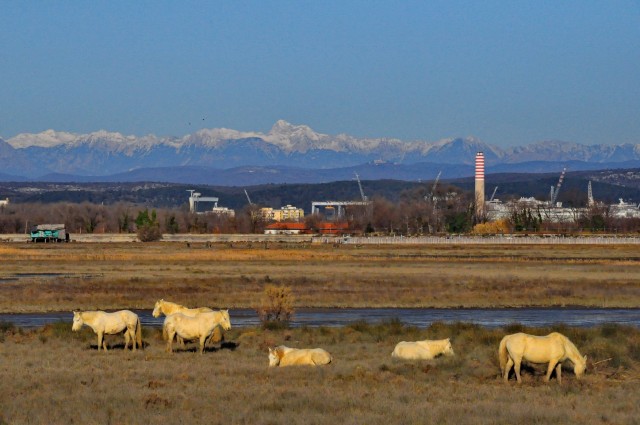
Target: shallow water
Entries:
(421, 317)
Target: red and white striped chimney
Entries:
(479, 184)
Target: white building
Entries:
(222, 211)
(286, 213)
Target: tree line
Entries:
(414, 212)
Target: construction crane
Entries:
(430, 196)
(248, 199)
(554, 193)
(364, 198)
(493, 194)
(590, 201)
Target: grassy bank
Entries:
(51, 375)
(55, 277)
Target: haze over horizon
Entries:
(508, 73)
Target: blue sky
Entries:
(507, 72)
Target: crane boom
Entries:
(435, 183)
(493, 194)
(248, 199)
(557, 190)
(430, 196)
(362, 195)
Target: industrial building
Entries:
(196, 198)
(550, 210)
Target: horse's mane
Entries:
(570, 347)
(174, 305)
(88, 315)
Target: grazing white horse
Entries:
(200, 326)
(167, 308)
(285, 356)
(123, 321)
(423, 350)
(553, 348)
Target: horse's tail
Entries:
(139, 334)
(503, 355)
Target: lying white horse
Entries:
(123, 321)
(423, 350)
(200, 326)
(553, 349)
(167, 308)
(285, 356)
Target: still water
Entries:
(421, 317)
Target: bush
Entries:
(6, 328)
(149, 233)
(276, 307)
(148, 228)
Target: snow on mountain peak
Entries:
(46, 139)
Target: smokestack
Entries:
(479, 184)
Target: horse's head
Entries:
(448, 349)
(274, 358)
(77, 321)
(580, 366)
(226, 321)
(157, 310)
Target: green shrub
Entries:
(148, 228)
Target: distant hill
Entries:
(608, 186)
(257, 175)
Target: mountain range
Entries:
(286, 154)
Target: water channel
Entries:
(421, 317)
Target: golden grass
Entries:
(135, 275)
(55, 377)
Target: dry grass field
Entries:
(59, 277)
(54, 376)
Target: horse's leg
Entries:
(132, 334)
(129, 336)
(552, 365)
(559, 373)
(507, 369)
(517, 363)
(100, 339)
(203, 339)
(170, 336)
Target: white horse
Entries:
(553, 349)
(123, 321)
(423, 350)
(285, 356)
(199, 327)
(167, 308)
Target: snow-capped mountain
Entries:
(103, 153)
